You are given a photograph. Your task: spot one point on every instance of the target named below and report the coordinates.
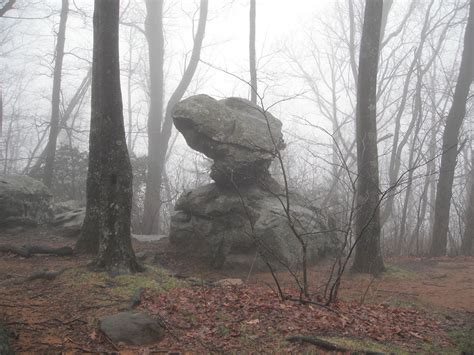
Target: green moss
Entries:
(123, 286)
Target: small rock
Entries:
(132, 328)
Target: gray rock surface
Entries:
(70, 221)
(24, 201)
(132, 328)
(242, 212)
(233, 132)
(211, 222)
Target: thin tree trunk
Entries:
(109, 179)
(129, 92)
(368, 256)
(7, 7)
(156, 43)
(55, 100)
(450, 142)
(252, 54)
(159, 129)
(75, 100)
(467, 246)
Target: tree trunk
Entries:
(368, 256)
(159, 129)
(109, 179)
(467, 246)
(450, 142)
(73, 103)
(1, 112)
(156, 43)
(7, 7)
(252, 55)
(55, 99)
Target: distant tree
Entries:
(109, 180)
(55, 99)
(368, 256)
(160, 121)
(454, 121)
(7, 6)
(252, 53)
(467, 247)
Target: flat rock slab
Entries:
(132, 328)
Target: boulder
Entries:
(132, 328)
(236, 134)
(213, 222)
(24, 201)
(70, 222)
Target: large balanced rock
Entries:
(132, 328)
(213, 221)
(245, 210)
(239, 136)
(24, 201)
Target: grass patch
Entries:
(399, 273)
(464, 340)
(363, 345)
(122, 286)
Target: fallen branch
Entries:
(27, 251)
(326, 345)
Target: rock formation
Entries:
(24, 202)
(244, 210)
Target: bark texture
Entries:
(55, 99)
(444, 189)
(109, 180)
(160, 123)
(368, 256)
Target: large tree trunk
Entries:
(109, 179)
(252, 54)
(368, 256)
(159, 129)
(450, 142)
(55, 99)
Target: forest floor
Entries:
(422, 305)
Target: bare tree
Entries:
(109, 180)
(454, 121)
(7, 7)
(467, 247)
(252, 54)
(55, 99)
(368, 257)
(160, 123)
